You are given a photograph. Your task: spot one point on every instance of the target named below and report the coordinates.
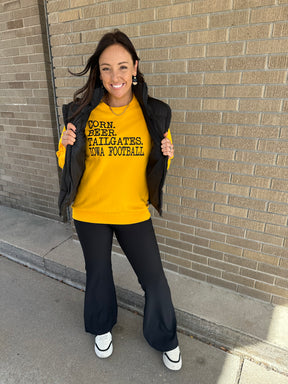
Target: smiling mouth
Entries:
(117, 86)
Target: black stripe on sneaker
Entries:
(173, 361)
(103, 350)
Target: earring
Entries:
(134, 80)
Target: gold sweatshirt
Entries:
(113, 188)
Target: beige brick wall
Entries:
(28, 175)
(222, 66)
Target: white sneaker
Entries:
(103, 345)
(172, 359)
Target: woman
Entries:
(114, 154)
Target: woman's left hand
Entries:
(167, 147)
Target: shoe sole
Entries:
(104, 354)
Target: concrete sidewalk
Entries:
(254, 333)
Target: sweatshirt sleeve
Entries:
(61, 153)
(170, 138)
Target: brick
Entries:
(254, 293)
(195, 204)
(244, 243)
(259, 132)
(265, 238)
(57, 5)
(95, 10)
(242, 280)
(84, 25)
(278, 62)
(246, 63)
(69, 16)
(284, 261)
(206, 65)
(215, 176)
(175, 92)
(221, 283)
(261, 257)
(279, 90)
(273, 269)
(261, 77)
(166, 67)
(205, 269)
(271, 289)
(190, 24)
(201, 163)
(280, 29)
(157, 27)
(220, 105)
(245, 202)
(269, 195)
(57, 29)
(153, 54)
(80, 3)
(151, 3)
(187, 52)
(279, 185)
(229, 19)
(204, 117)
(206, 37)
(241, 118)
(230, 211)
(260, 105)
(225, 49)
(275, 251)
(256, 157)
(65, 39)
(210, 6)
(282, 160)
(203, 141)
(193, 274)
(222, 78)
(14, 24)
(211, 196)
(232, 189)
(277, 146)
(267, 46)
(198, 184)
(178, 261)
(12, 5)
(206, 91)
(278, 208)
(261, 15)
(274, 119)
(173, 11)
(249, 32)
(267, 217)
(140, 16)
(171, 40)
(184, 104)
(246, 91)
(196, 240)
(240, 4)
(219, 130)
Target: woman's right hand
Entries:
(69, 136)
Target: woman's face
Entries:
(116, 71)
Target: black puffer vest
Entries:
(157, 116)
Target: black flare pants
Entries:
(139, 244)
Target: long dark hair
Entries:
(83, 96)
